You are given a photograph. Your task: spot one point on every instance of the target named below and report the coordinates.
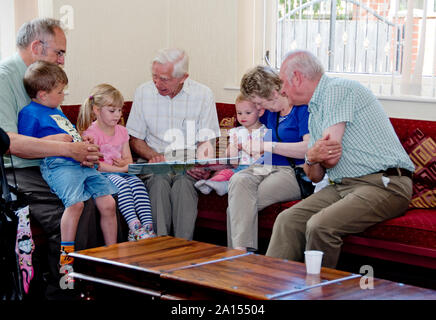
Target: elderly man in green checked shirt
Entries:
(353, 141)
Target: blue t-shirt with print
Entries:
(290, 129)
(37, 120)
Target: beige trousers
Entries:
(251, 190)
(320, 221)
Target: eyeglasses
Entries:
(59, 53)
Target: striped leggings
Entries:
(133, 200)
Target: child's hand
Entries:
(59, 137)
(234, 142)
(199, 173)
(88, 139)
(120, 162)
(253, 147)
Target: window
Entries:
(366, 40)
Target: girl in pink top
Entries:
(105, 107)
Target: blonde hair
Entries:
(240, 98)
(101, 95)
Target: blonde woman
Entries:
(272, 179)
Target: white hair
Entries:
(304, 62)
(177, 57)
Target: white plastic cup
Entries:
(313, 259)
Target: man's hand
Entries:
(85, 153)
(205, 150)
(141, 148)
(157, 158)
(325, 151)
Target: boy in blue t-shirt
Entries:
(71, 182)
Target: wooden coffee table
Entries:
(171, 268)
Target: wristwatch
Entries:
(273, 146)
(309, 163)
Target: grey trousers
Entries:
(251, 190)
(320, 221)
(173, 204)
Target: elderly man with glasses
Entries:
(41, 39)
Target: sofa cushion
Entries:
(417, 227)
(422, 151)
(227, 120)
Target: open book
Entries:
(181, 167)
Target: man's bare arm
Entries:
(325, 153)
(33, 148)
(142, 149)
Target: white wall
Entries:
(7, 28)
(114, 41)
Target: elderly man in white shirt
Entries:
(173, 118)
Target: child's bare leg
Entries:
(108, 220)
(70, 220)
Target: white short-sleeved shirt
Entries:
(167, 124)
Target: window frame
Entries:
(429, 81)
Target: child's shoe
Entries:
(149, 230)
(131, 236)
(136, 230)
(141, 233)
(138, 234)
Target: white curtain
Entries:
(411, 81)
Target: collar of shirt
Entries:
(21, 66)
(316, 100)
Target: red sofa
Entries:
(409, 239)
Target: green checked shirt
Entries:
(370, 143)
(13, 98)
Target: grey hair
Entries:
(177, 57)
(260, 81)
(304, 62)
(37, 29)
